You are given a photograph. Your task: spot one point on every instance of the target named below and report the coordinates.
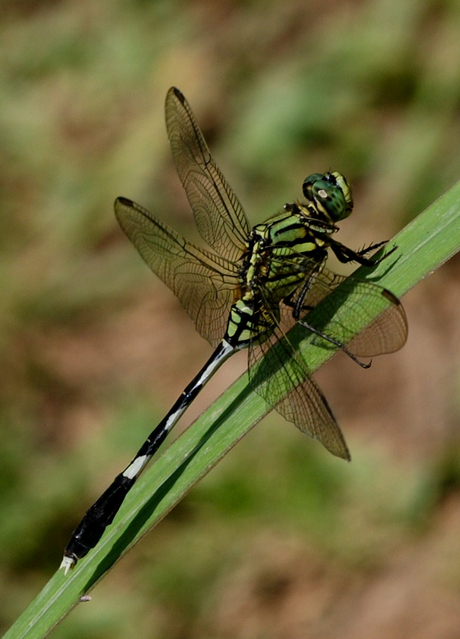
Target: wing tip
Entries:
(391, 297)
(339, 449)
(178, 93)
(123, 201)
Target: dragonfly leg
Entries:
(336, 342)
(298, 307)
(345, 254)
(373, 247)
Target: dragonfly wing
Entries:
(385, 334)
(355, 304)
(203, 282)
(279, 374)
(309, 410)
(219, 216)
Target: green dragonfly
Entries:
(246, 291)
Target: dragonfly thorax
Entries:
(281, 253)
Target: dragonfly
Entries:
(246, 291)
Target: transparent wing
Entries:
(203, 282)
(354, 305)
(219, 216)
(292, 392)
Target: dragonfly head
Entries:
(330, 195)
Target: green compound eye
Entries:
(331, 195)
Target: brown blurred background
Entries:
(280, 541)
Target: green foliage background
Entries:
(280, 540)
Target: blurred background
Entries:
(281, 540)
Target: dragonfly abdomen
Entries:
(248, 321)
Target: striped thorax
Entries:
(284, 251)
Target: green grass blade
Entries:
(425, 244)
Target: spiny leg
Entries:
(299, 307)
(345, 254)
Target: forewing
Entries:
(219, 216)
(204, 283)
(279, 374)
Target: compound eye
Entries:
(331, 195)
(343, 185)
(309, 183)
(332, 200)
